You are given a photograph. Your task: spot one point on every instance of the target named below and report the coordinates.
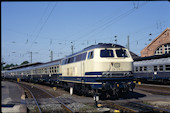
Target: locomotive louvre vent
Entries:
(117, 65)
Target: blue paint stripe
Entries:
(95, 79)
(93, 73)
(7, 105)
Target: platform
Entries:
(12, 98)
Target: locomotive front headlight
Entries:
(117, 85)
(129, 83)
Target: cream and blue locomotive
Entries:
(106, 68)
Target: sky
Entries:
(42, 27)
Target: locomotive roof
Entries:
(103, 45)
(99, 45)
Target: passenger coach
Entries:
(153, 68)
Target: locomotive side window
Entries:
(78, 58)
(121, 53)
(70, 60)
(90, 55)
(106, 53)
(83, 57)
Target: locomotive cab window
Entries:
(121, 53)
(106, 53)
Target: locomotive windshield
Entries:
(106, 53)
(121, 53)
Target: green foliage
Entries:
(25, 62)
(9, 65)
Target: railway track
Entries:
(134, 107)
(155, 89)
(130, 107)
(38, 93)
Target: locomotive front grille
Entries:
(116, 74)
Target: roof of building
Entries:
(157, 38)
(25, 65)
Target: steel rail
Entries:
(122, 108)
(161, 110)
(137, 107)
(64, 105)
(119, 107)
(33, 98)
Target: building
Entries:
(159, 46)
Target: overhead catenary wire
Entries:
(44, 24)
(41, 19)
(108, 23)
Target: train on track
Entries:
(104, 68)
(155, 69)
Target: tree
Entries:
(8, 66)
(25, 62)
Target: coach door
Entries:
(82, 68)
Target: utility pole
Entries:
(31, 56)
(51, 56)
(72, 47)
(116, 39)
(128, 42)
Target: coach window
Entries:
(90, 55)
(161, 68)
(136, 69)
(155, 68)
(167, 67)
(144, 68)
(50, 69)
(55, 69)
(140, 68)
